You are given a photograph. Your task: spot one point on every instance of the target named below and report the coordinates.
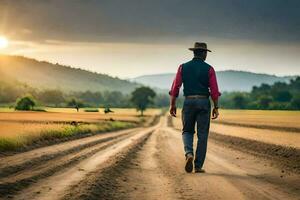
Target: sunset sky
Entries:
(137, 37)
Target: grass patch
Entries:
(38, 110)
(22, 142)
(91, 110)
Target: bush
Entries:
(25, 103)
(91, 110)
(39, 110)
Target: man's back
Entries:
(195, 79)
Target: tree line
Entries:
(279, 96)
(10, 93)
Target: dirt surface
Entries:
(282, 138)
(143, 163)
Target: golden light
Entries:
(3, 42)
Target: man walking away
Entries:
(199, 82)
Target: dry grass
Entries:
(18, 129)
(15, 129)
(67, 114)
(260, 117)
(16, 136)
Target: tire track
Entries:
(282, 156)
(23, 179)
(14, 164)
(104, 184)
(56, 180)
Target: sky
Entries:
(138, 37)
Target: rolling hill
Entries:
(228, 80)
(45, 75)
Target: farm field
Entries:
(148, 163)
(275, 127)
(261, 118)
(69, 114)
(20, 129)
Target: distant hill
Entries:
(228, 80)
(45, 75)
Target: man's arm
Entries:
(214, 90)
(174, 92)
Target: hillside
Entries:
(228, 80)
(45, 75)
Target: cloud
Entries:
(151, 21)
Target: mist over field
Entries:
(229, 81)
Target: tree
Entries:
(296, 102)
(25, 103)
(142, 97)
(93, 98)
(264, 102)
(75, 104)
(239, 101)
(282, 96)
(262, 89)
(54, 97)
(114, 98)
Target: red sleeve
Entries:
(176, 83)
(213, 84)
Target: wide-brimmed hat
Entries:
(200, 46)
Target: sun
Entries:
(3, 42)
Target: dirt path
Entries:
(142, 164)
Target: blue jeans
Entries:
(196, 111)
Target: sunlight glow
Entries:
(3, 42)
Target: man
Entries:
(199, 82)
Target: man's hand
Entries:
(215, 113)
(173, 111)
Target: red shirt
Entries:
(213, 84)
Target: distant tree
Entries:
(264, 102)
(296, 102)
(142, 97)
(75, 104)
(262, 89)
(295, 84)
(25, 103)
(239, 101)
(54, 97)
(114, 98)
(9, 92)
(282, 96)
(162, 100)
(94, 98)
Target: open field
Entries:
(69, 114)
(143, 163)
(258, 118)
(18, 130)
(280, 120)
(276, 127)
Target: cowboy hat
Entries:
(200, 46)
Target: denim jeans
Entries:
(196, 111)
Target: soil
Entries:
(148, 163)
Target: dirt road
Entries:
(142, 163)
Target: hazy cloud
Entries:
(151, 21)
(251, 35)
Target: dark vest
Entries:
(195, 77)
